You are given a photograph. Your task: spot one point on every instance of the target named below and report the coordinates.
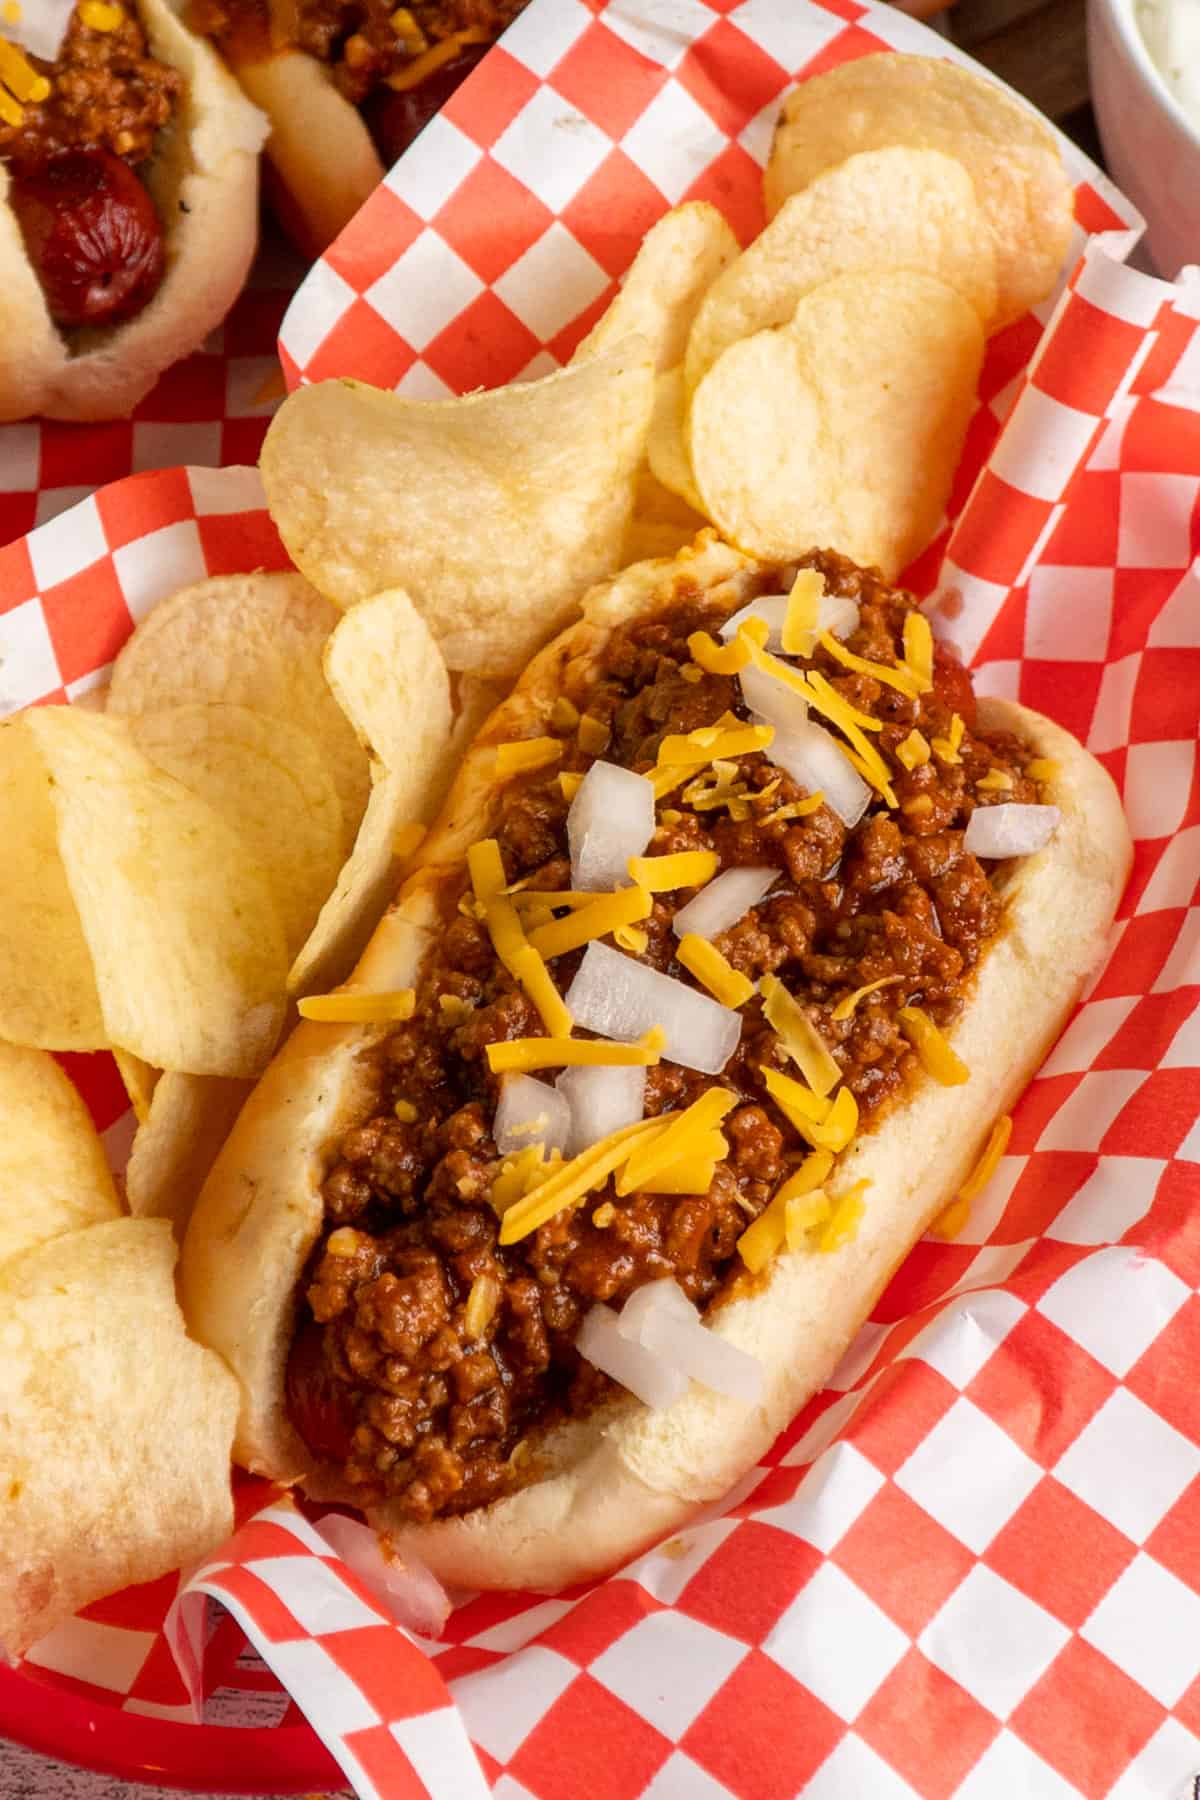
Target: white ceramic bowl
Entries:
(1152, 148)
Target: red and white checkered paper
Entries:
(971, 1569)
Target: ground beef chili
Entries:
(387, 1377)
(107, 92)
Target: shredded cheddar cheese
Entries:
(1043, 768)
(918, 650)
(760, 1241)
(486, 869)
(482, 1302)
(604, 1215)
(577, 1178)
(534, 977)
(719, 659)
(896, 675)
(665, 781)
(569, 782)
(564, 714)
(687, 1129)
(713, 971)
(682, 869)
(436, 57)
(530, 899)
(951, 1219)
(985, 1168)
(691, 1174)
(713, 741)
(852, 724)
(842, 1225)
(802, 1213)
(592, 735)
(10, 112)
(527, 754)
(996, 781)
(799, 1036)
(799, 633)
(99, 15)
(845, 1009)
(526, 1054)
(913, 751)
(946, 749)
(795, 1100)
(19, 75)
(934, 1053)
(349, 1008)
(605, 913)
(796, 809)
(919, 807)
(406, 1112)
(631, 938)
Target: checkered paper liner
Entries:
(971, 1567)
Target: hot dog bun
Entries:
(203, 179)
(612, 1482)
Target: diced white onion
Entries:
(723, 902)
(835, 614)
(412, 1595)
(661, 1318)
(611, 819)
(601, 1100)
(1010, 829)
(773, 700)
(644, 1373)
(530, 1112)
(41, 27)
(621, 998)
(814, 759)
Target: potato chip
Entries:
(844, 428)
(53, 1174)
(116, 1430)
(246, 640)
(48, 993)
(388, 677)
(1011, 155)
(139, 1080)
(884, 209)
(189, 1118)
(665, 283)
(184, 937)
(662, 523)
(666, 449)
(495, 512)
(268, 780)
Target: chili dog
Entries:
(347, 87)
(825, 911)
(128, 206)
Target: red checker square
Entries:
(845, 9)
(1086, 1718)
(143, 503)
(763, 1735)
(1065, 691)
(375, 238)
(1187, 1710)
(730, 76)
(1139, 595)
(1084, 362)
(848, 45)
(978, 444)
(386, 1766)
(1060, 1552)
(563, 345)
(1138, 960)
(487, 103)
(800, 1426)
(290, 367)
(465, 1659)
(1154, 425)
(259, 1538)
(902, 1408)
(87, 619)
(609, 81)
(242, 441)
(185, 392)
(732, 182)
(1142, 1041)
(1165, 701)
(253, 325)
(1165, 1376)
(613, 211)
(613, 1752)
(1171, 1229)
(484, 1611)
(17, 581)
(1041, 1267)
(598, 1620)
(1008, 355)
(485, 345)
(395, 1676)
(1005, 637)
(1155, 1120)
(1086, 534)
(1041, 1387)
(750, 1581)
(997, 532)
(1044, 1186)
(926, 1275)
(1036, 1107)
(363, 344)
(234, 542)
(1093, 211)
(87, 455)
(491, 219)
(18, 514)
(903, 1559)
(917, 1708)
(158, 1680)
(263, 1605)
(143, 1607)
(1175, 1540)
(1174, 333)
(922, 573)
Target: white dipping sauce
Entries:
(1171, 30)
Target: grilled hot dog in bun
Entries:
(128, 205)
(765, 1098)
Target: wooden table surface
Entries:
(1038, 47)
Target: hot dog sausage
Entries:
(92, 235)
